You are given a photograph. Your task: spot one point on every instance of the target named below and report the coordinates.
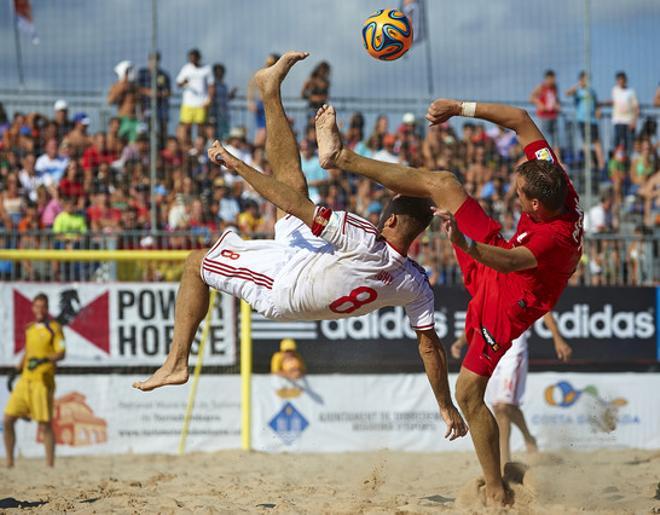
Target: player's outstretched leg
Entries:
(192, 303)
(281, 147)
(442, 187)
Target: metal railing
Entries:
(608, 260)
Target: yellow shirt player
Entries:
(287, 361)
(32, 397)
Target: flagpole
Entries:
(19, 53)
(429, 61)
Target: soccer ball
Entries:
(387, 34)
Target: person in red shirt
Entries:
(512, 283)
(102, 217)
(545, 97)
(98, 152)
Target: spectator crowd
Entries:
(63, 187)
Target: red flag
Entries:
(24, 21)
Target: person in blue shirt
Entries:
(219, 109)
(587, 114)
(316, 176)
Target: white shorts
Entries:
(507, 384)
(248, 269)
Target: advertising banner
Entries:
(609, 325)
(102, 414)
(117, 324)
(334, 413)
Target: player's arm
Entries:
(276, 192)
(58, 347)
(502, 260)
(507, 116)
(21, 364)
(435, 364)
(562, 348)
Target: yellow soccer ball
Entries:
(387, 34)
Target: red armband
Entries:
(321, 218)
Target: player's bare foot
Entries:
(165, 375)
(268, 80)
(531, 446)
(328, 137)
(500, 496)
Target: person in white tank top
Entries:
(320, 265)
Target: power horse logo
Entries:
(91, 321)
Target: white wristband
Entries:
(468, 109)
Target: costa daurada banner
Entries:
(118, 324)
(102, 414)
(334, 413)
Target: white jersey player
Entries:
(321, 264)
(348, 269)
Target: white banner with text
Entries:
(103, 414)
(369, 412)
(116, 324)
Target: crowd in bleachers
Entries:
(61, 186)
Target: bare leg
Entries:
(49, 442)
(600, 155)
(470, 389)
(518, 418)
(192, 303)
(9, 424)
(442, 187)
(281, 146)
(504, 426)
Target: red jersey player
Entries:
(512, 283)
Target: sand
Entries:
(614, 482)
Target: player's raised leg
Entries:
(281, 147)
(443, 187)
(470, 389)
(192, 303)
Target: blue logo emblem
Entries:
(288, 424)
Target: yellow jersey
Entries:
(41, 340)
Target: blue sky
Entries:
(482, 49)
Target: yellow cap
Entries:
(287, 344)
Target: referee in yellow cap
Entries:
(287, 361)
(32, 397)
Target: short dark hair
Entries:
(544, 181)
(415, 214)
(621, 75)
(40, 296)
(195, 52)
(219, 67)
(549, 73)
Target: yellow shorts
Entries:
(31, 399)
(190, 115)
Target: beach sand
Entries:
(616, 482)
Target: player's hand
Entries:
(563, 350)
(219, 155)
(456, 349)
(456, 426)
(449, 225)
(442, 110)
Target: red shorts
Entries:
(491, 322)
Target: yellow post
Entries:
(196, 374)
(246, 376)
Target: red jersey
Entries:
(556, 245)
(503, 306)
(550, 100)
